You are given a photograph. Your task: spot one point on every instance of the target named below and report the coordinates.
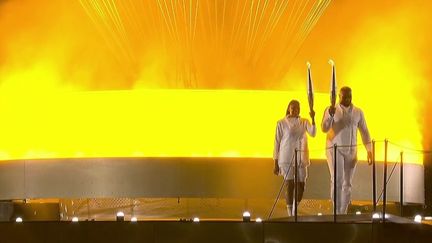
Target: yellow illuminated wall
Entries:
(204, 78)
(161, 123)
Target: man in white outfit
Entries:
(341, 122)
(291, 135)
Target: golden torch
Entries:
(333, 84)
(310, 88)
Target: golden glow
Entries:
(116, 44)
(59, 58)
(158, 123)
(208, 43)
(387, 75)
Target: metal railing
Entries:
(375, 200)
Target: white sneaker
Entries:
(290, 210)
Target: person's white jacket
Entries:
(291, 134)
(342, 128)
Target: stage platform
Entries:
(216, 231)
(47, 194)
(96, 188)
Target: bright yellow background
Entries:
(207, 77)
(166, 123)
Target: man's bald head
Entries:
(345, 96)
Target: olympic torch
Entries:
(333, 84)
(310, 88)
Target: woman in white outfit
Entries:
(291, 135)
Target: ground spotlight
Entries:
(120, 216)
(319, 214)
(358, 213)
(258, 220)
(134, 219)
(428, 218)
(18, 220)
(196, 219)
(75, 219)
(375, 216)
(246, 216)
(418, 218)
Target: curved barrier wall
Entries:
(185, 177)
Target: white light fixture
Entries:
(120, 216)
(418, 218)
(196, 219)
(319, 214)
(358, 213)
(246, 216)
(428, 218)
(375, 216)
(258, 220)
(18, 220)
(75, 219)
(134, 219)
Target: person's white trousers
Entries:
(345, 172)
